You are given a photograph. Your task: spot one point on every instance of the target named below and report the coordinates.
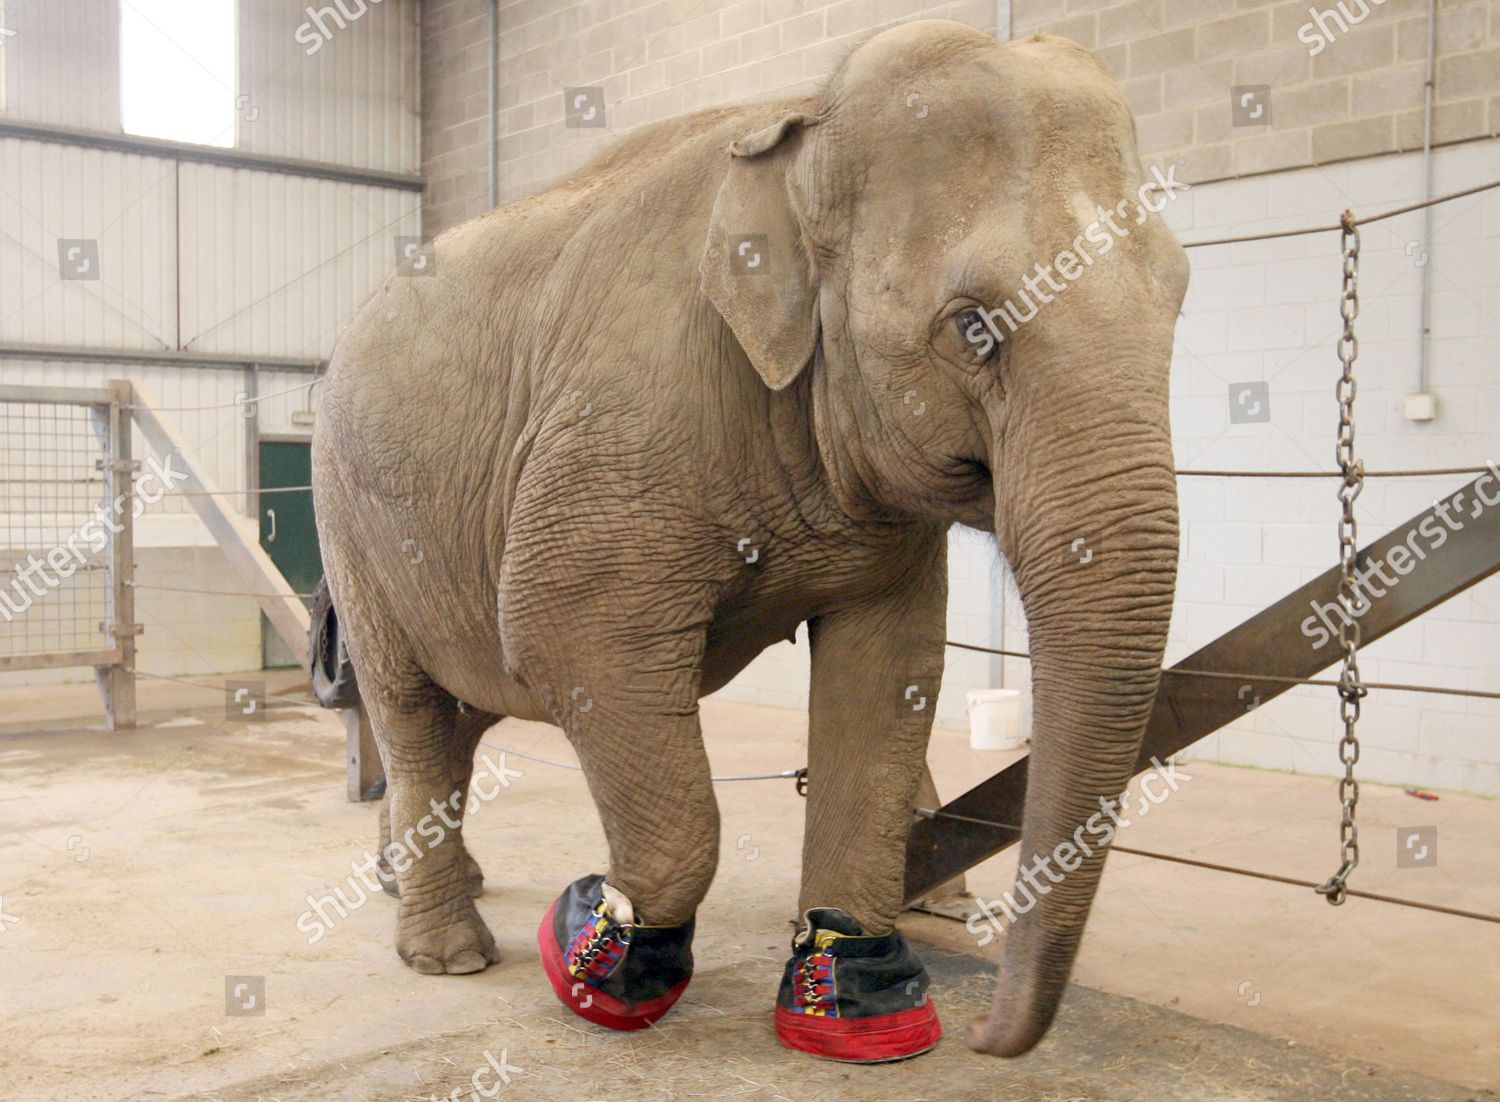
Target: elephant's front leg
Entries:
(854, 990)
(617, 945)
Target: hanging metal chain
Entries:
(1351, 690)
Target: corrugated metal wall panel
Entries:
(353, 101)
(62, 66)
(273, 265)
(125, 203)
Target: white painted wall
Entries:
(1269, 312)
(977, 581)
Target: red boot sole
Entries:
(589, 1002)
(878, 1040)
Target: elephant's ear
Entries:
(756, 269)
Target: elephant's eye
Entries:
(979, 342)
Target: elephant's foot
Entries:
(387, 877)
(452, 940)
(473, 874)
(847, 995)
(603, 966)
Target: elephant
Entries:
(582, 458)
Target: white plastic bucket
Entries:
(995, 719)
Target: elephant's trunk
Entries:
(1098, 612)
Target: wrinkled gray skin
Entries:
(584, 413)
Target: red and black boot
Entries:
(852, 996)
(608, 968)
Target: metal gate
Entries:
(67, 536)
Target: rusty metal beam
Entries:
(1455, 554)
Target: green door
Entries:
(287, 532)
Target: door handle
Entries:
(271, 516)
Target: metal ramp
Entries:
(1258, 660)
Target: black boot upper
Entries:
(839, 971)
(627, 961)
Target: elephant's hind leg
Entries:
(468, 728)
(428, 749)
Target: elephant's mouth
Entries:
(975, 475)
(972, 491)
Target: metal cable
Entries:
(1275, 679)
(242, 493)
(220, 688)
(1323, 682)
(937, 813)
(1430, 472)
(217, 592)
(784, 775)
(243, 400)
(1269, 235)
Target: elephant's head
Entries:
(942, 177)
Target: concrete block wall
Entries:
(203, 635)
(1339, 88)
(653, 59)
(455, 105)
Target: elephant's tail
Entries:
(333, 679)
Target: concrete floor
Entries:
(143, 868)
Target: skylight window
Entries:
(177, 70)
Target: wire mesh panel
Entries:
(54, 535)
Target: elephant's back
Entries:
(418, 413)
